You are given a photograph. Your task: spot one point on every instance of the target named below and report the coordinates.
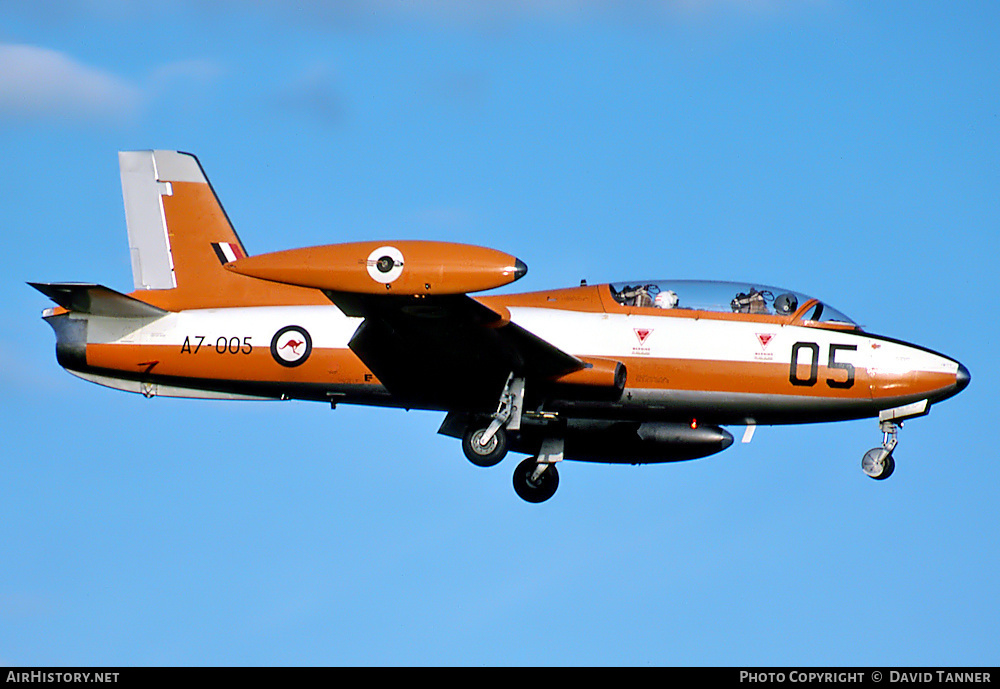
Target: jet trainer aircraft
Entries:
(635, 372)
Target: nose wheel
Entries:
(878, 462)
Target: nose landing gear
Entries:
(878, 462)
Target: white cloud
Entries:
(41, 83)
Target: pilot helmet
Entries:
(785, 304)
(666, 299)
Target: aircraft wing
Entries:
(444, 350)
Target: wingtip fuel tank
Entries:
(399, 267)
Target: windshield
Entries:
(723, 297)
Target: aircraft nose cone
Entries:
(520, 269)
(962, 378)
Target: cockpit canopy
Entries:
(725, 297)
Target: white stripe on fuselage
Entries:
(328, 327)
(680, 337)
(676, 337)
(578, 333)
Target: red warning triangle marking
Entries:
(642, 334)
(764, 339)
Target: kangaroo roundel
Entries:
(291, 346)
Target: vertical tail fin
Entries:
(181, 239)
(179, 235)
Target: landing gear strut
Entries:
(535, 482)
(484, 454)
(536, 478)
(487, 446)
(878, 462)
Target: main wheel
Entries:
(484, 455)
(539, 490)
(878, 463)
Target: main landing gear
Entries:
(536, 478)
(487, 446)
(535, 482)
(484, 453)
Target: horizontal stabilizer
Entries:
(98, 300)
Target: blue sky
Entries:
(848, 150)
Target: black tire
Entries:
(490, 455)
(537, 491)
(890, 466)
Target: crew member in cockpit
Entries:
(642, 297)
(667, 299)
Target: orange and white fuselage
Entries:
(680, 365)
(644, 372)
